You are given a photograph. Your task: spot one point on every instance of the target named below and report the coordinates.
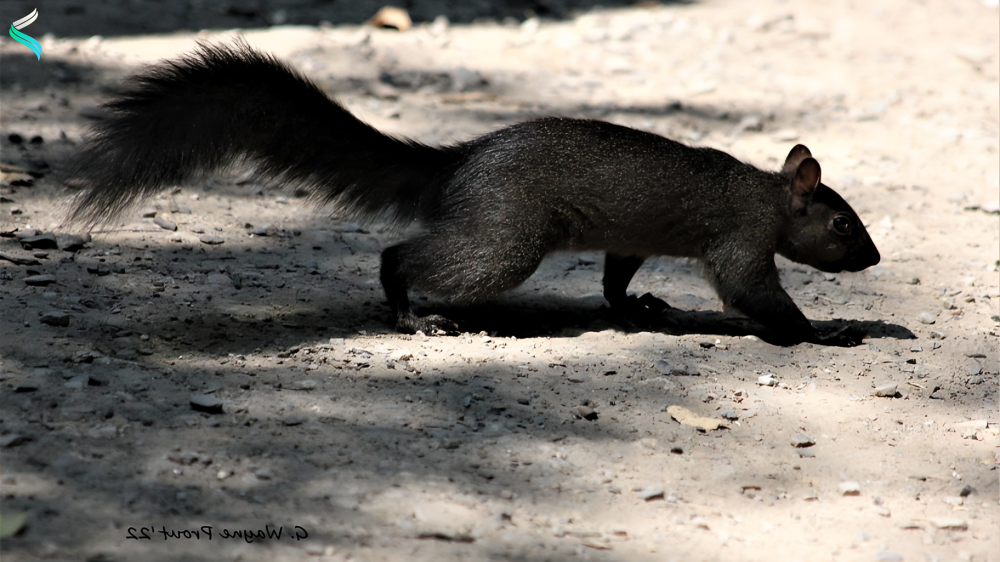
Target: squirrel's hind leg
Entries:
(395, 286)
(460, 262)
(618, 272)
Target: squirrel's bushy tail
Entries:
(229, 104)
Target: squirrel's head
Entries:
(823, 231)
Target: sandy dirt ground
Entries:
(233, 389)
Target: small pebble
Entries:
(185, 458)
(144, 413)
(597, 543)
(652, 493)
(949, 523)
(926, 318)
(78, 382)
(576, 377)
(56, 318)
(953, 500)
(218, 279)
(849, 488)
(18, 260)
(46, 241)
(21, 234)
(71, 242)
(12, 440)
(395, 18)
(802, 440)
(104, 431)
(886, 556)
(888, 389)
(936, 334)
(99, 269)
(767, 380)
(39, 280)
(211, 239)
(165, 224)
(206, 403)
(916, 348)
(729, 414)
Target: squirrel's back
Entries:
(609, 187)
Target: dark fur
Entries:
(491, 208)
(222, 105)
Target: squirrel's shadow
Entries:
(560, 316)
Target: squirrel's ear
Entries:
(798, 153)
(804, 183)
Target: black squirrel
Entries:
(490, 208)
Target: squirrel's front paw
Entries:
(645, 306)
(652, 304)
(644, 311)
(848, 336)
(432, 325)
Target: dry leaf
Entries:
(687, 417)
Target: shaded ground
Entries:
(543, 434)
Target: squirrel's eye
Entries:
(842, 224)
